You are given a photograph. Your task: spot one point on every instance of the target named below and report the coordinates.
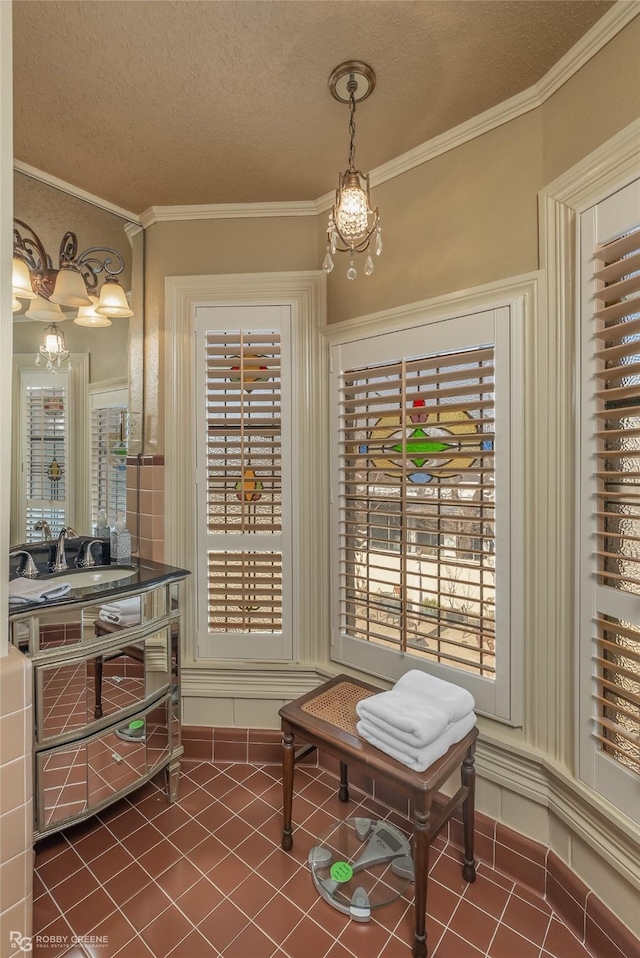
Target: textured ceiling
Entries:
(161, 102)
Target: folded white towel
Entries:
(123, 606)
(454, 701)
(117, 618)
(430, 753)
(30, 592)
(417, 709)
(413, 719)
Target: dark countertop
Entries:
(145, 575)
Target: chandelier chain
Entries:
(352, 126)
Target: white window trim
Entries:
(79, 498)
(304, 292)
(503, 698)
(554, 583)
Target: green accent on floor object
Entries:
(341, 871)
(133, 732)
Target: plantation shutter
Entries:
(45, 460)
(243, 483)
(108, 455)
(417, 447)
(422, 423)
(611, 500)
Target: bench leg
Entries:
(343, 794)
(287, 788)
(468, 775)
(421, 841)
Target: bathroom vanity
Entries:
(106, 694)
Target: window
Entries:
(108, 454)
(609, 611)
(422, 467)
(45, 456)
(243, 478)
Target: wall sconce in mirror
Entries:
(52, 348)
(73, 283)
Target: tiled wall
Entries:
(16, 789)
(528, 862)
(145, 505)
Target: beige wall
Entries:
(465, 218)
(205, 247)
(601, 99)
(470, 216)
(51, 213)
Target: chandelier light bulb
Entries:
(52, 349)
(70, 289)
(352, 214)
(21, 281)
(45, 312)
(113, 300)
(87, 315)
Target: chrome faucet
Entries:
(85, 556)
(29, 569)
(60, 561)
(43, 526)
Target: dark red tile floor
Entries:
(207, 877)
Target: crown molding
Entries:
(72, 190)
(607, 27)
(226, 211)
(622, 13)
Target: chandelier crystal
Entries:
(353, 222)
(74, 281)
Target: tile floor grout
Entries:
(229, 779)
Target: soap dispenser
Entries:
(120, 542)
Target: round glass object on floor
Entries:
(360, 864)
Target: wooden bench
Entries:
(326, 719)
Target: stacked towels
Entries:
(418, 720)
(126, 612)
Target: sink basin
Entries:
(83, 578)
(74, 578)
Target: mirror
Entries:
(74, 428)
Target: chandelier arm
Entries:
(68, 249)
(113, 264)
(24, 247)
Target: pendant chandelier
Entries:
(74, 283)
(353, 225)
(52, 348)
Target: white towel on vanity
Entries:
(30, 592)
